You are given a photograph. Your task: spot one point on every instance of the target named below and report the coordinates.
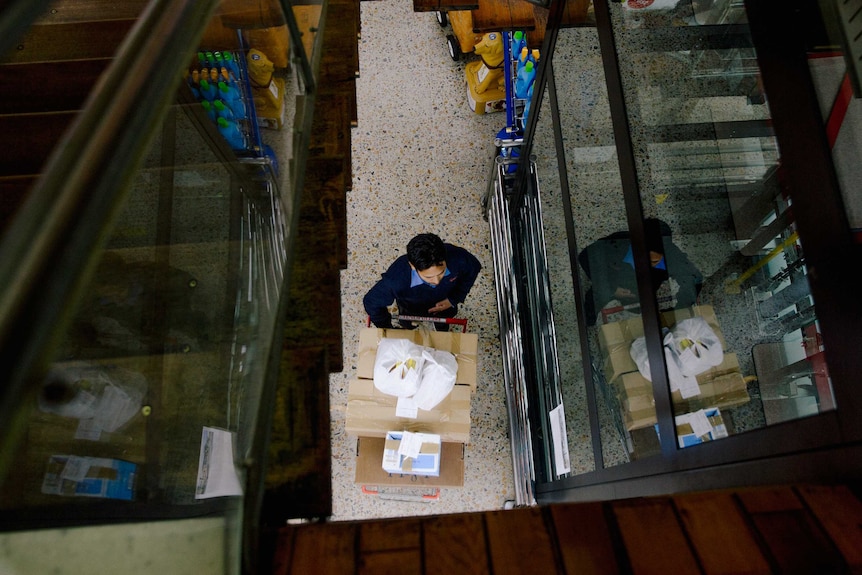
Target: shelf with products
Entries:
(227, 85)
(519, 74)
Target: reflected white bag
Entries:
(398, 366)
(697, 346)
(438, 378)
(686, 385)
(108, 396)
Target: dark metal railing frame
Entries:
(814, 448)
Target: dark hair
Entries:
(425, 251)
(655, 231)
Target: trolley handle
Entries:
(449, 320)
(375, 490)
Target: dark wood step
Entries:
(29, 140)
(509, 15)
(331, 131)
(348, 10)
(13, 190)
(444, 5)
(340, 55)
(298, 479)
(70, 41)
(48, 86)
(774, 529)
(72, 11)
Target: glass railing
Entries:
(728, 269)
(147, 258)
(681, 230)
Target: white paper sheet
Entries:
(700, 423)
(411, 444)
(217, 476)
(562, 463)
(406, 407)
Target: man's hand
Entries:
(441, 306)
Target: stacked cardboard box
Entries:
(721, 386)
(426, 460)
(371, 414)
(700, 426)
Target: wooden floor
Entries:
(801, 529)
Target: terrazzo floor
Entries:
(420, 162)
(421, 159)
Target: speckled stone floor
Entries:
(421, 159)
(420, 162)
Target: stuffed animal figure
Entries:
(489, 72)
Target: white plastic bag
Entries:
(398, 366)
(438, 378)
(686, 385)
(697, 346)
(108, 396)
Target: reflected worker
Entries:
(609, 264)
(429, 281)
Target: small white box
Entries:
(408, 453)
(700, 426)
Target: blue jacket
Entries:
(463, 268)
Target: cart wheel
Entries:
(454, 47)
(442, 19)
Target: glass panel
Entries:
(566, 336)
(172, 335)
(173, 332)
(601, 229)
(748, 354)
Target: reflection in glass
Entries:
(742, 348)
(173, 331)
(572, 384)
(709, 166)
(597, 205)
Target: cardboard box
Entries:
(637, 402)
(371, 413)
(369, 452)
(464, 346)
(639, 419)
(711, 427)
(618, 362)
(721, 386)
(426, 462)
(615, 339)
(99, 477)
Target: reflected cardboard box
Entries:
(721, 386)
(700, 426)
(615, 339)
(99, 477)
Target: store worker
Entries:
(609, 264)
(429, 281)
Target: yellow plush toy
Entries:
(486, 88)
(489, 72)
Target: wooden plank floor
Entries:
(810, 529)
